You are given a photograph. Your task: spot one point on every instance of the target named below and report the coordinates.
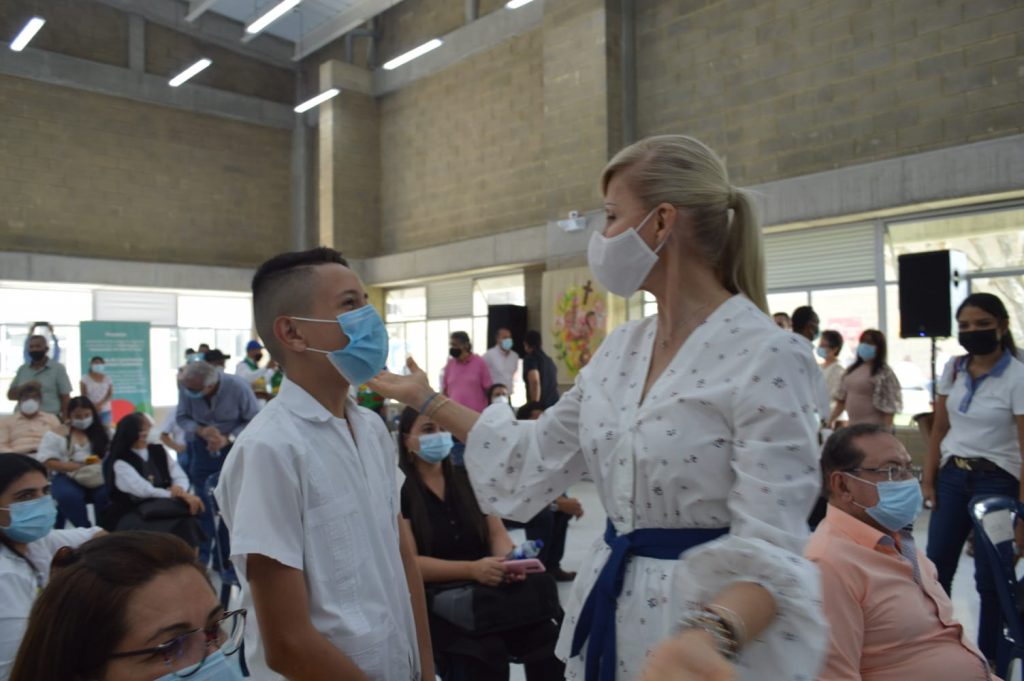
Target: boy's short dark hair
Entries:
(832, 338)
(532, 338)
(281, 286)
(802, 316)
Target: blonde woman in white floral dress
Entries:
(698, 428)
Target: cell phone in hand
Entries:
(526, 566)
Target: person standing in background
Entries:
(502, 360)
(99, 388)
(782, 320)
(829, 347)
(249, 369)
(52, 377)
(539, 372)
(869, 391)
(466, 380)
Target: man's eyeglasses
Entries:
(189, 650)
(893, 473)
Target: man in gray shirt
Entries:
(213, 408)
(51, 376)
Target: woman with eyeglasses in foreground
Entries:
(130, 606)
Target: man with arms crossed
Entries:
(310, 496)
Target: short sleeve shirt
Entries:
(53, 378)
(982, 412)
(544, 366)
(300, 489)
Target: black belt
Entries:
(974, 464)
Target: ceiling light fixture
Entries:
(189, 72)
(272, 15)
(27, 33)
(318, 100)
(413, 54)
(516, 4)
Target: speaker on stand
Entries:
(931, 287)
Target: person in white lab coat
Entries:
(699, 429)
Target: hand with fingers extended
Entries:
(413, 389)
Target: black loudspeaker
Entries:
(511, 317)
(932, 286)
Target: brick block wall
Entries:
(97, 176)
(462, 150)
(790, 87)
(169, 52)
(414, 22)
(73, 27)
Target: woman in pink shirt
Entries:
(870, 391)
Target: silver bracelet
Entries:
(716, 625)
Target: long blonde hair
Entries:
(682, 171)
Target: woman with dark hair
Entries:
(975, 448)
(869, 391)
(131, 606)
(74, 460)
(97, 386)
(27, 545)
(499, 394)
(147, 489)
(456, 542)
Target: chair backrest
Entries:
(994, 520)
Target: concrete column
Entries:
(349, 162)
(136, 43)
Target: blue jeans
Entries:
(948, 530)
(72, 498)
(202, 465)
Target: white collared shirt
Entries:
(300, 490)
(503, 366)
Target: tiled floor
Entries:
(583, 532)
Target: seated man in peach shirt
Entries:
(22, 431)
(890, 619)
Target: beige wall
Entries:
(461, 150)
(785, 88)
(91, 175)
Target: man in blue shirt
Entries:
(213, 408)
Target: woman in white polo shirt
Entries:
(975, 446)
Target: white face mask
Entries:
(499, 399)
(29, 407)
(621, 263)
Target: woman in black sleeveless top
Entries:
(138, 473)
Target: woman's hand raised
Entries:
(412, 390)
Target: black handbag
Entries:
(158, 509)
(483, 609)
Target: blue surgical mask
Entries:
(30, 520)
(822, 352)
(899, 502)
(435, 447)
(866, 352)
(506, 344)
(215, 667)
(99, 368)
(367, 349)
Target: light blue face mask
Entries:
(215, 667)
(506, 344)
(867, 352)
(822, 352)
(899, 502)
(367, 351)
(99, 368)
(30, 520)
(435, 447)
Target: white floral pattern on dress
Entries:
(726, 437)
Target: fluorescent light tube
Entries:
(516, 4)
(319, 99)
(190, 72)
(413, 54)
(27, 33)
(275, 13)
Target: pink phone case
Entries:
(525, 566)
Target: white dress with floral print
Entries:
(726, 437)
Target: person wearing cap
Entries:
(216, 358)
(249, 369)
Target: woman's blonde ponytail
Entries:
(742, 260)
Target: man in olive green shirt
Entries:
(51, 376)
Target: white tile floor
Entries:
(583, 532)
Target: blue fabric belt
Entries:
(597, 618)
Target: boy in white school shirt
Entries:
(310, 497)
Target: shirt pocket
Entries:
(334, 546)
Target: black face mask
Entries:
(455, 352)
(983, 342)
(258, 357)
(37, 355)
